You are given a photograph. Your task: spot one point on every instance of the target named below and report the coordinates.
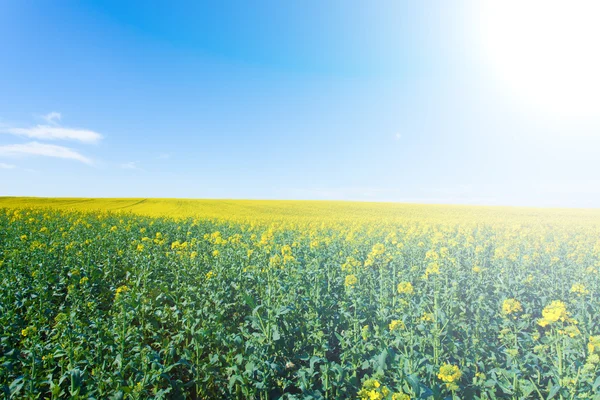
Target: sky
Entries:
(454, 102)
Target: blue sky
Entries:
(349, 100)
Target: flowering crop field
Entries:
(139, 298)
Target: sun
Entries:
(545, 53)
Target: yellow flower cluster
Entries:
(594, 345)
(405, 288)
(450, 375)
(579, 289)
(570, 331)
(120, 290)
(375, 255)
(432, 269)
(554, 312)
(511, 306)
(396, 324)
(427, 317)
(350, 280)
(30, 330)
(372, 390)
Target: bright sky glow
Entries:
(545, 52)
(469, 102)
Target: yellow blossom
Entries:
(405, 288)
(427, 317)
(432, 269)
(120, 290)
(396, 324)
(571, 331)
(594, 344)
(511, 306)
(554, 312)
(579, 289)
(450, 375)
(30, 330)
(350, 281)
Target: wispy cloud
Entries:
(52, 117)
(44, 150)
(398, 136)
(6, 166)
(131, 165)
(50, 132)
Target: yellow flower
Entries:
(554, 312)
(476, 269)
(571, 331)
(594, 344)
(372, 390)
(350, 280)
(378, 250)
(210, 274)
(579, 288)
(28, 331)
(396, 324)
(376, 253)
(364, 332)
(215, 253)
(449, 373)
(511, 306)
(405, 288)
(23, 237)
(432, 269)
(140, 247)
(400, 396)
(120, 289)
(83, 280)
(427, 317)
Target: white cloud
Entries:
(6, 166)
(48, 132)
(131, 165)
(44, 150)
(398, 136)
(52, 117)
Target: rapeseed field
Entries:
(140, 298)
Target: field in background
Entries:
(137, 298)
(312, 211)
